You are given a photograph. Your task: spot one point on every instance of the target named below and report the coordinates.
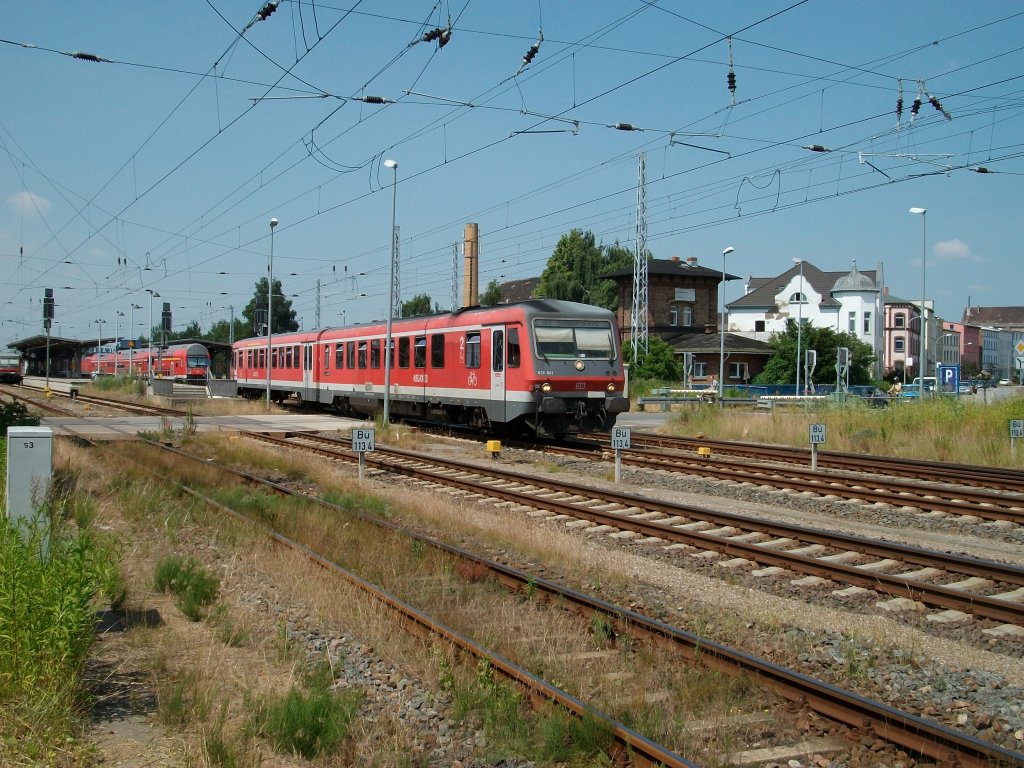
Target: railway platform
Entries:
(129, 427)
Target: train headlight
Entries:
(580, 365)
(545, 387)
(611, 386)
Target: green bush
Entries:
(192, 585)
(309, 723)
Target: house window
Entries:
(851, 322)
(798, 298)
(738, 371)
(673, 316)
(867, 323)
(687, 316)
(759, 326)
(899, 320)
(899, 345)
(700, 369)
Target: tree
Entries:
(284, 315)
(221, 331)
(660, 362)
(491, 295)
(190, 331)
(417, 305)
(781, 367)
(573, 273)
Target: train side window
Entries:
(362, 354)
(339, 356)
(308, 358)
(497, 350)
(420, 354)
(296, 357)
(514, 353)
(285, 358)
(375, 353)
(327, 357)
(437, 350)
(403, 352)
(273, 356)
(350, 353)
(473, 349)
(262, 359)
(248, 356)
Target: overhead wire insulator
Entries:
(264, 13)
(625, 127)
(432, 35)
(915, 108)
(446, 35)
(817, 148)
(938, 106)
(981, 169)
(899, 103)
(531, 53)
(87, 57)
(730, 78)
(373, 100)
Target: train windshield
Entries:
(571, 339)
(9, 361)
(198, 361)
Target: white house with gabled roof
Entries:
(847, 302)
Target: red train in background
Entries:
(182, 362)
(541, 367)
(10, 368)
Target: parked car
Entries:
(1004, 382)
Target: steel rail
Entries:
(894, 725)
(893, 585)
(896, 493)
(1003, 478)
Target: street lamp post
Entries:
(391, 294)
(924, 329)
(799, 321)
(149, 363)
(131, 348)
(270, 306)
(721, 333)
(99, 347)
(117, 337)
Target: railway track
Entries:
(991, 506)
(904, 729)
(990, 478)
(909, 731)
(958, 587)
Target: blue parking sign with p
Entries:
(949, 379)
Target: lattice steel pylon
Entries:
(638, 319)
(396, 285)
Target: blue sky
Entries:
(162, 166)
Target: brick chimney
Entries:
(691, 261)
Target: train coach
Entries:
(181, 362)
(10, 368)
(541, 367)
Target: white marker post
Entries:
(816, 436)
(362, 443)
(620, 443)
(1016, 430)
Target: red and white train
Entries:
(10, 368)
(542, 367)
(181, 362)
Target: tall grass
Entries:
(47, 621)
(940, 428)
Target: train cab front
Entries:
(572, 405)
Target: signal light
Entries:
(165, 318)
(48, 304)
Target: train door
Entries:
(497, 406)
(307, 373)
